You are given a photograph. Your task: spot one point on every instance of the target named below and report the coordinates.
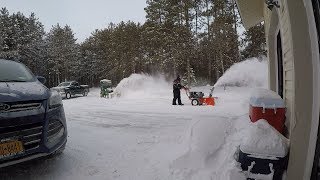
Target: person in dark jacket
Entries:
(176, 91)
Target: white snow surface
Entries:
(249, 73)
(266, 98)
(262, 139)
(142, 136)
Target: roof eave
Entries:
(251, 12)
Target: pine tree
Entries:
(21, 38)
(63, 53)
(189, 77)
(194, 38)
(254, 42)
(225, 36)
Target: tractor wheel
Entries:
(195, 102)
(68, 95)
(85, 93)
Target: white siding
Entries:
(288, 65)
(288, 60)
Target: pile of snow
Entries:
(249, 73)
(142, 86)
(263, 139)
(202, 142)
(213, 139)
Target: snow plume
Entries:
(249, 73)
(142, 86)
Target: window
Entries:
(64, 84)
(11, 71)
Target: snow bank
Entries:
(248, 73)
(263, 139)
(212, 149)
(143, 86)
(214, 144)
(214, 138)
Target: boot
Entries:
(174, 103)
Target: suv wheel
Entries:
(68, 95)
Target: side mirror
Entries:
(41, 79)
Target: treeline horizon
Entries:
(198, 39)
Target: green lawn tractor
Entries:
(105, 88)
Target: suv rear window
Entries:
(11, 71)
(75, 84)
(64, 84)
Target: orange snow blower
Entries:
(198, 99)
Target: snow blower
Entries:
(198, 99)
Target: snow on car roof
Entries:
(105, 80)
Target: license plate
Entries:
(11, 148)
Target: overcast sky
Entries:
(84, 16)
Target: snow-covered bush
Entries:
(249, 73)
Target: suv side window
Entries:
(75, 84)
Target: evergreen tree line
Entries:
(198, 39)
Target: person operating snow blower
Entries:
(176, 91)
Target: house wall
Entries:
(276, 21)
(303, 91)
(313, 140)
(299, 80)
(272, 27)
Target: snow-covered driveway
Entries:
(145, 139)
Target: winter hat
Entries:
(178, 78)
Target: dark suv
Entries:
(32, 119)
